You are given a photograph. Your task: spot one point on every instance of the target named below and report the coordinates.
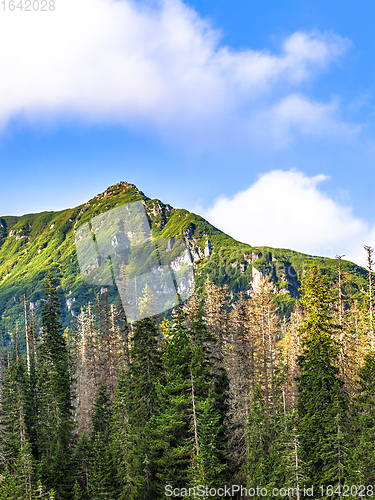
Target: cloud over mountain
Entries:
(161, 65)
(288, 209)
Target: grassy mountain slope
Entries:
(32, 244)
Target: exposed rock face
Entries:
(90, 267)
(170, 243)
(257, 280)
(280, 272)
(180, 261)
(259, 277)
(189, 234)
(182, 286)
(69, 302)
(196, 254)
(192, 245)
(208, 249)
(157, 208)
(157, 212)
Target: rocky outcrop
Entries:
(116, 189)
(170, 244)
(194, 248)
(258, 278)
(69, 302)
(208, 249)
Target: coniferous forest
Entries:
(213, 396)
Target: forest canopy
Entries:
(217, 394)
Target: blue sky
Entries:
(257, 115)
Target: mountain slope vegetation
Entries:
(33, 244)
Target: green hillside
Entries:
(32, 244)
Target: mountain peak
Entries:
(118, 188)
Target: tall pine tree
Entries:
(54, 421)
(136, 403)
(322, 404)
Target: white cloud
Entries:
(129, 61)
(287, 209)
(298, 113)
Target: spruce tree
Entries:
(289, 468)
(81, 461)
(172, 430)
(288, 355)
(365, 422)
(136, 403)
(258, 465)
(189, 448)
(213, 333)
(87, 368)
(322, 404)
(13, 406)
(121, 439)
(241, 371)
(211, 392)
(54, 422)
(18, 477)
(101, 483)
(16, 446)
